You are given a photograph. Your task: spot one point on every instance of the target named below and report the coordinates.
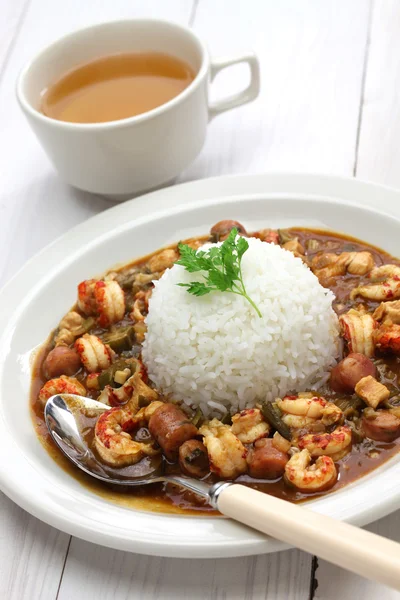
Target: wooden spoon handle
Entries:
(349, 547)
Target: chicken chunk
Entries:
(387, 290)
(386, 284)
(371, 391)
(163, 260)
(226, 452)
(335, 265)
(295, 248)
(360, 263)
(385, 272)
(69, 325)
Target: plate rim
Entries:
(215, 188)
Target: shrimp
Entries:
(249, 425)
(304, 406)
(61, 385)
(141, 305)
(94, 355)
(226, 452)
(335, 444)
(387, 338)
(331, 414)
(103, 298)
(113, 441)
(163, 260)
(308, 411)
(110, 302)
(357, 328)
(86, 301)
(310, 478)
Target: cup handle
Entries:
(242, 97)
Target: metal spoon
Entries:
(65, 431)
(349, 547)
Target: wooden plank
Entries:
(312, 62)
(378, 160)
(93, 573)
(379, 148)
(240, 141)
(35, 208)
(12, 14)
(334, 583)
(311, 56)
(300, 122)
(32, 555)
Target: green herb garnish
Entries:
(222, 266)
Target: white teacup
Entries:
(123, 158)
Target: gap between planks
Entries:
(363, 83)
(10, 45)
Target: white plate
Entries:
(33, 302)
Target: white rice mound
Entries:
(216, 353)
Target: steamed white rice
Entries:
(216, 353)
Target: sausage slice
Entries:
(171, 428)
(385, 427)
(348, 372)
(193, 458)
(61, 361)
(265, 461)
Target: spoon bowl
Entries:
(60, 416)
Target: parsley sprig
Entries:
(220, 268)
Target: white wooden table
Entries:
(329, 103)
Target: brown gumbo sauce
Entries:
(365, 455)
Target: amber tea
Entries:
(116, 87)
